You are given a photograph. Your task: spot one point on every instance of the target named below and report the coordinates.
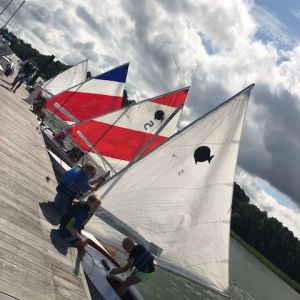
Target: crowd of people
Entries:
(79, 181)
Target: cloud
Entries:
(172, 44)
(273, 27)
(295, 13)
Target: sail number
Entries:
(148, 125)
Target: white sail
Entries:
(64, 80)
(179, 196)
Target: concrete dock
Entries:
(34, 263)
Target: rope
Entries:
(93, 263)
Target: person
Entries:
(35, 94)
(25, 71)
(75, 183)
(37, 108)
(60, 137)
(75, 154)
(141, 260)
(75, 219)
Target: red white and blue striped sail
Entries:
(120, 135)
(97, 96)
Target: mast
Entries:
(4, 9)
(13, 14)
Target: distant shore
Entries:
(293, 284)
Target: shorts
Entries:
(67, 237)
(143, 276)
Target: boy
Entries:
(139, 258)
(75, 219)
(75, 183)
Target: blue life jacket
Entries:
(73, 183)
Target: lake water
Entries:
(249, 279)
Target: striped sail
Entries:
(118, 136)
(97, 96)
(176, 199)
(64, 80)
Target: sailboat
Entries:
(96, 96)
(101, 94)
(175, 201)
(66, 79)
(114, 139)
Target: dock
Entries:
(35, 264)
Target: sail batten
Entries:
(179, 195)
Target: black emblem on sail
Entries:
(159, 115)
(202, 154)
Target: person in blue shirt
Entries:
(140, 260)
(74, 184)
(76, 218)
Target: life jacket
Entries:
(144, 262)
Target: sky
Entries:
(217, 48)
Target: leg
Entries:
(80, 247)
(17, 86)
(13, 84)
(15, 81)
(131, 280)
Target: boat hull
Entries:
(96, 264)
(60, 160)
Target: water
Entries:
(249, 280)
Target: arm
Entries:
(124, 268)
(76, 234)
(74, 227)
(95, 184)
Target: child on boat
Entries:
(141, 260)
(75, 183)
(75, 219)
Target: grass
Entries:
(295, 285)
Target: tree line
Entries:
(25, 51)
(267, 235)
